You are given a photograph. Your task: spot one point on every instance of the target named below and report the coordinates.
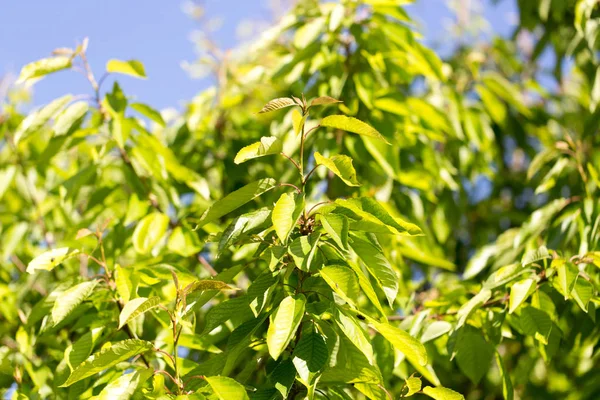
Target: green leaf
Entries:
(226, 388)
(286, 212)
(49, 260)
(476, 302)
(37, 119)
(124, 387)
(582, 292)
(534, 256)
(69, 117)
(368, 215)
(136, 307)
(353, 331)
(566, 276)
(507, 386)
(349, 365)
(283, 324)
(536, 323)
(236, 199)
(372, 256)
(7, 175)
(43, 67)
(223, 312)
(149, 112)
(70, 299)
(149, 231)
(126, 282)
(298, 121)
(473, 353)
(403, 342)
(309, 32)
(131, 67)
(283, 377)
(267, 146)
(343, 281)
(82, 348)
(310, 355)
(302, 249)
(519, 292)
(324, 100)
(435, 330)
(341, 166)
(108, 357)
(277, 104)
(413, 384)
(335, 17)
(252, 222)
(336, 226)
(350, 124)
(184, 242)
(206, 284)
(442, 393)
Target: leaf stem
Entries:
(293, 162)
(309, 174)
(291, 185)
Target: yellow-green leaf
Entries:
(137, 307)
(50, 259)
(124, 387)
(70, 299)
(336, 226)
(43, 67)
(149, 231)
(184, 242)
(131, 67)
(298, 121)
(36, 120)
(268, 145)
(413, 384)
(341, 166)
(343, 281)
(402, 341)
(226, 388)
(442, 393)
(69, 117)
(277, 104)
(108, 357)
(236, 199)
(285, 214)
(519, 292)
(356, 334)
(283, 324)
(351, 124)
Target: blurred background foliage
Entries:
(495, 156)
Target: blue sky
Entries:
(155, 32)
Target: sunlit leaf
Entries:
(277, 104)
(131, 67)
(341, 166)
(267, 146)
(43, 67)
(283, 324)
(137, 307)
(108, 357)
(237, 199)
(50, 259)
(149, 231)
(351, 124)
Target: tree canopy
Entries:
(345, 214)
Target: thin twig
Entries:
(293, 162)
(291, 185)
